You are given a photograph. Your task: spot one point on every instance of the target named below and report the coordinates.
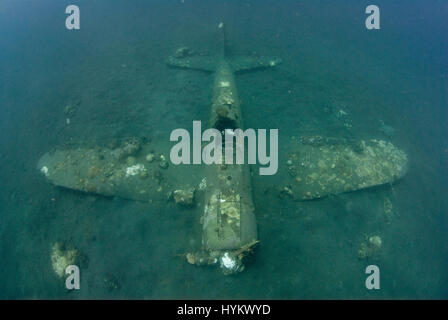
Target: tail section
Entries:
(224, 50)
(187, 59)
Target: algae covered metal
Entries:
(320, 166)
(131, 170)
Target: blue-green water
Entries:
(113, 72)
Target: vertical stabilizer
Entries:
(224, 50)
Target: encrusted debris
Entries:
(370, 247)
(184, 197)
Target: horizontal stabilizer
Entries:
(242, 64)
(186, 59)
(320, 166)
(192, 61)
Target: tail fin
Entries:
(187, 59)
(223, 39)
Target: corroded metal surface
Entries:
(319, 166)
(137, 174)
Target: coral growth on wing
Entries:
(320, 166)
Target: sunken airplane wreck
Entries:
(318, 166)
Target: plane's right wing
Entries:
(320, 166)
